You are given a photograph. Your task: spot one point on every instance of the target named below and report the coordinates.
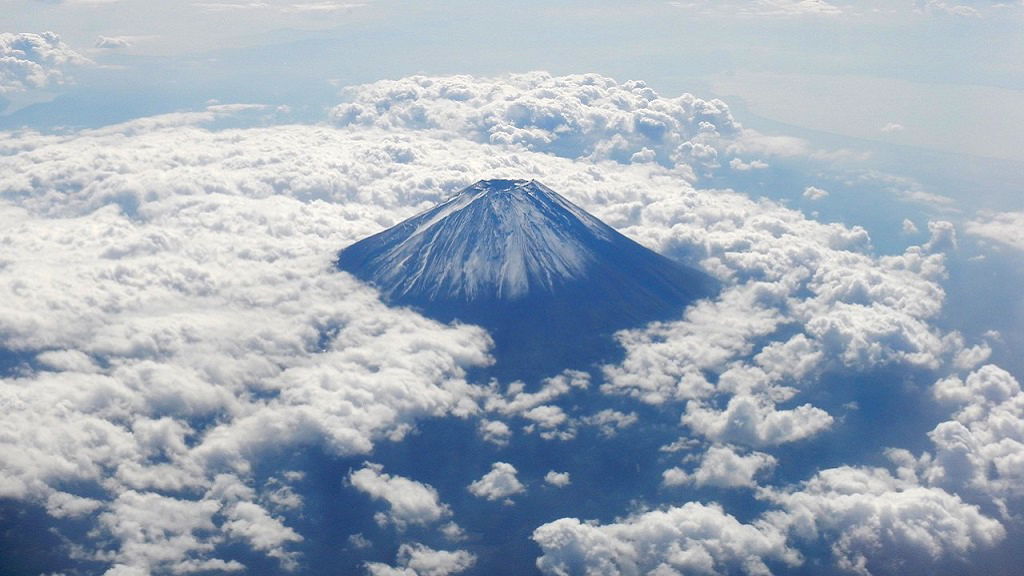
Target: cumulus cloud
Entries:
(171, 287)
(557, 479)
(981, 449)
(186, 332)
(754, 420)
(419, 560)
(587, 116)
(609, 422)
(543, 414)
(723, 466)
(1003, 228)
(495, 431)
(691, 539)
(409, 502)
(860, 310)
(877, 522)
(31, 61)
(498, 484)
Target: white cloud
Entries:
(609, 422)
(724, 467)
(587, 116)
(535, 407)
(419, 560)
(763, 8)
(516, 401)
(1003, 228)
(557, 479)
(265, 533)
(495, 431)
(981, 449)
(741, 166)
(498, 484)
(173, 288)
(282, 7)
(815, 193)
(947, 8)
(691, 539)
(31, 61)
(754, 420)
(876, 522)
(667, 361)
(114, 42)
(409, 502)
(892, 127)
(207, 298)
(175, 534)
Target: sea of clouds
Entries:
(170, 317)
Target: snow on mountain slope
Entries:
(496, 239)
(543, 275)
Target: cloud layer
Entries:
(170, 318)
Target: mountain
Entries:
(548, 280)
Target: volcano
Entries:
(550, 282)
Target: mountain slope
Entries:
(550, 281)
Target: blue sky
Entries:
(190, 386)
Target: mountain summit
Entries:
(549, 280)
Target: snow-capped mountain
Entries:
(543, 275)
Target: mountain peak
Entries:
(504, 185)
(494, 240)
(519, 259)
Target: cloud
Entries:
(609, 422)
(191, 336)
(666, 361)
(536, 407)
(763, 8)
(409, 502)
(724, 467)
(171, 289)
(690, 539)
(1003, 228)
(495, 431)
(741, 166)
(876, 522)
(557, 479)
(31, 61)
(322, 7)
(516, 401)
(815, 193)
(419, 560)
(498, 484)
(946, 8)
(754, 420)
(981, 449)
(892, 127)
(587, 116)
(284, 7)
(115, 42)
